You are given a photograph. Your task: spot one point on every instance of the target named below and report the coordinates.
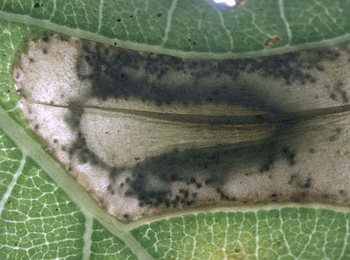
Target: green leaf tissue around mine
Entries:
(146, 133)
(193, 28)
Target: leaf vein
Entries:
(168, 22)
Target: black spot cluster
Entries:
(337, 93)
(37, 5)
(80, 149)
(211, 165)
(298, 181)
(113, 76)
(291, 67)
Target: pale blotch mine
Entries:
(107, 142)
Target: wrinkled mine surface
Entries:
(147, 133)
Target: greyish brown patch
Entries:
(270, 40)
(147, 133)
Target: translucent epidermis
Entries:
(145, 133)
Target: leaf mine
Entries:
(147, 133)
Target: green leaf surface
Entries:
(104, 245)
(286, 233)
(39, 221)
(11, 39)
(44, 214)
(192, 28)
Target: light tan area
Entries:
(315, 166)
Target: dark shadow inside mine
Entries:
(211, 165)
